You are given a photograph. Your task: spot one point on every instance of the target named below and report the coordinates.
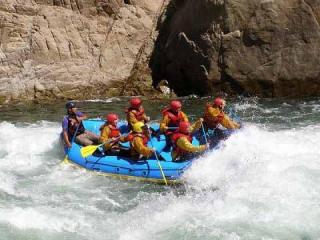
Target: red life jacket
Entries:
(132, 135)
(138, 113)
(175, 119)
(176, 136)
(114, 131)
(211, 121)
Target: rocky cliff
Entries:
(254, 47)
(60, 49)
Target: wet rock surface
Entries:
(75, 49)
(267, 48)
(80, 49)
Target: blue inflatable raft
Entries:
(126, 168)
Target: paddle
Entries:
(72, 140)
(89, 150)
(158, 132)
(204, 133)
(160, 167)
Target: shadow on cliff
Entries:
(188, 50)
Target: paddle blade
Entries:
(88, 150)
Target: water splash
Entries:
(258, 185)
(107, 100)
(261, 184)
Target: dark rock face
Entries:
(266, 48)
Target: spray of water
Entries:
(260, 184)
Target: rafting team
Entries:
(175, 126)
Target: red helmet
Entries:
(184, 127)
(111, 117)
(135, 102)
(175, 105)
(219, 102)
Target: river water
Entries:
(262, 184)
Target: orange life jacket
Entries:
(138, 113)
(132, 135)
(114, 131)
(176, 136)
(175, 119)
(212, 121)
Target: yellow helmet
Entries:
(137, 127)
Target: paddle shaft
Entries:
(160, 167)
(204, 133)
(89, 150)
(109, 141)
(159, 164)
(75, 133)
(72, 140)
(172, 128)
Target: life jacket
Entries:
(73, 127)
(132, 135)
(175, 119)
(212, 121)
(138, 113)
(175, 137)
(115, 132)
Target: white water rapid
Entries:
(261, 184)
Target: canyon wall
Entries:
(70, 49)
(84, 49)
(267, 48)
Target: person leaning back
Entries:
(72, 127)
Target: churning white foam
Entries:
(35, 192)
(38, 218)
(23, 148)
(258, 152)
(259, 185)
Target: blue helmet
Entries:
(70, 105)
